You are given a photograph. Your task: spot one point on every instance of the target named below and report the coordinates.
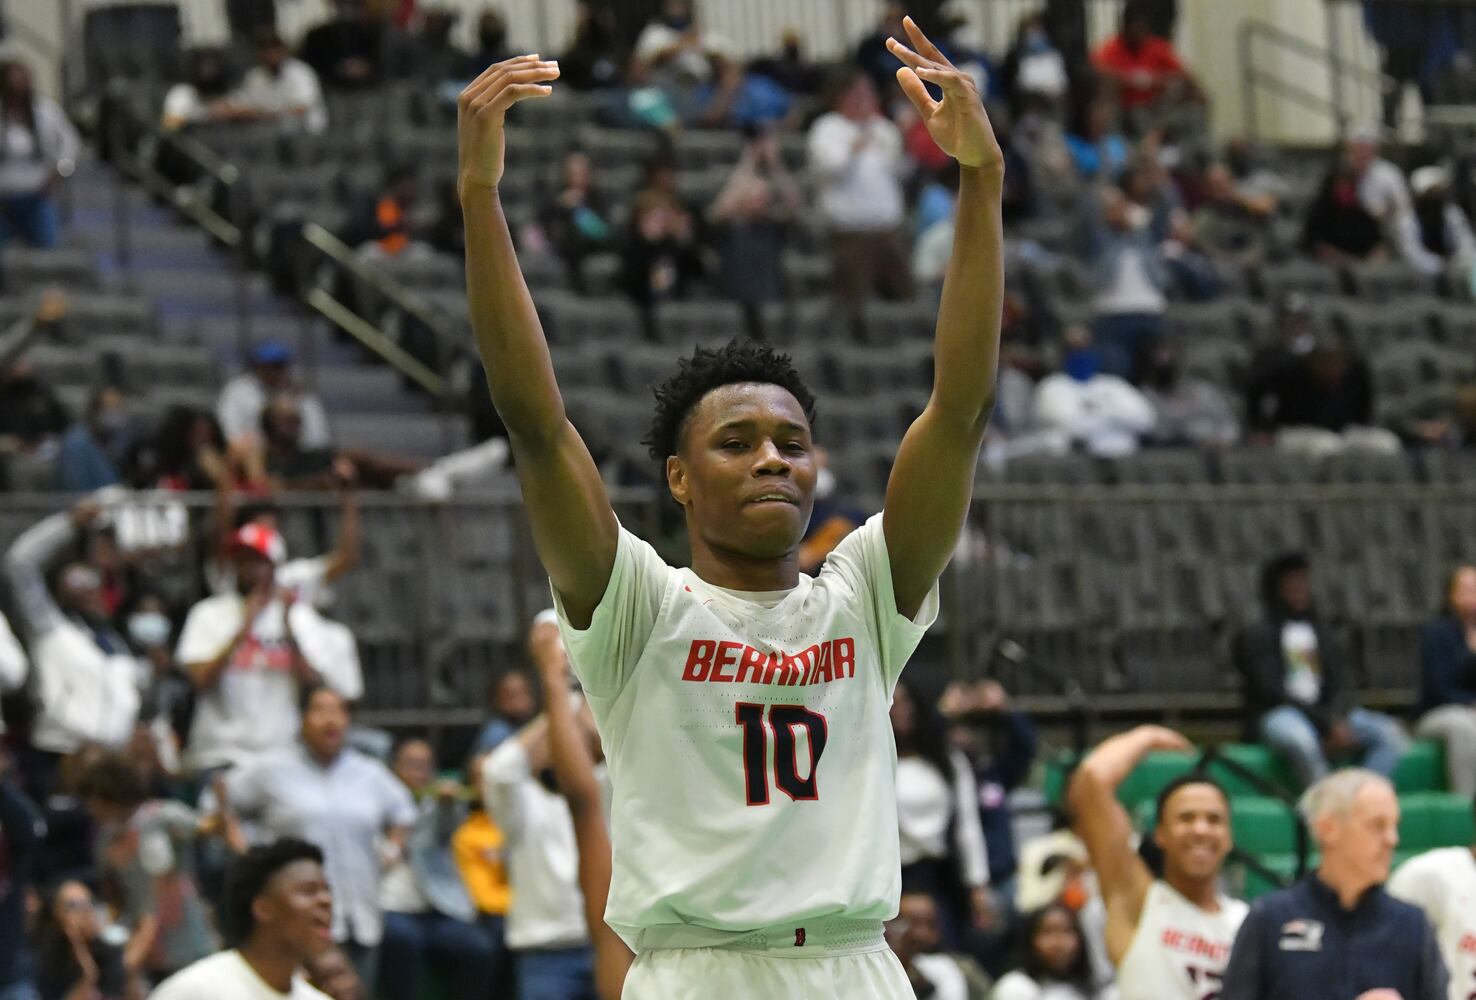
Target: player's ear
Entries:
(676, 479)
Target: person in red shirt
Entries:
(1145, 69)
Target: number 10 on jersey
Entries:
(783, 722)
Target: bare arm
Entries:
(933, 477)
(1101, 821)
(574, 527)
(345, 555)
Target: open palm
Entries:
(958, 123)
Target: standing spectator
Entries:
(943, 851)
(93, 449)
(591, 60)
(144, 847)
(428, 914)
(188, 453)
(347, 52)
(249, 653)
(1437, 233)
(1298, 692)
(75, 961)
(347, 803)
(309, 578)
(1053, 960)
(277, 916)
(1145, 69)
(512, 703)
(38, 149)
(477, 847)
(1338, 227)
(1186, 411)
(166, 699)
(577, 220)
(1130, 278)
(546, 930)
(1337, 933)
(86, 677)
(660, 258)
(855, 153)
(282, 89)
(1448, 681)
(244, 397)
(752, 216)
(20, 839)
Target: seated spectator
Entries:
(1130, 277)
(1298, 689)
(1438, 234)
(689, 64)
(31, 415)
(387, 223)
(751, 218)
(1325, 404)
(1145, 69)
(577, 220)
(86, 684)
(244, 398)
(1272, 364)
(347, 52)
(855, 154)
(430, 920)
(790, 68)
(1097, 145)
(660, 259)
(1090, 408)
(201, 96)
(250, 652)
(589, 61)
(950, 973)
(1054, 964)
(145, 850)
(38, 149)
(14, 668)
(1230, 223)
(281, 89)
(93, 450)
(167, 696)
(1448, 681)
(277, 916)
(873, 57)
(73, 958)
(20, 841)
(1186, 410)
(477, 845)
(492, 44)
(933, 219)
(512, 703)
(334, 974)
(1034, 67)
(188, 453)
(1338, 227)
(347, 803)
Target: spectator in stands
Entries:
(21, 834)
(167, 697)
(1039, 138)
(347, 52)
(1130, 278)
(31, 415)
(752, 217)
(1034, 67)
(872, 55)
(244, 398)
(1053, 960)
(74, 959)
(577, 220)
(38, 150)
(387, 223)
(689, 64)
(189, 452)
(1382, 189)
(1273, 362)
(512, 703)
(1089, 407)
(1316, 938)
(1441, 236)
(280, 89)
(1145, 69)
(1298, 690)
(1098, 147)
(477, 846)
(855, 153)
(660, 259)
(14, 668)
(1338, 226)
(491, 44)
(1326, 404)
(591, 59)
(201, 96)
(249, 652)
(278, 916)
(93, 449)
(1231, 223)
(145, 850)
(334, 974)
(309, 579)
(347, 803)
(951, 974)
(86, 681)
(429, 915)
(1186, 410)
(791, 68)
(943, 852)
(1448, 680)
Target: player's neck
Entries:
(1202, 892)
(270, 962)
(734, 571)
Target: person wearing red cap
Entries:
(250, 651)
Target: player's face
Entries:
(1194, 832)
(1365, 839)
(1056, 941)
(1463, 593)
(296, 909)
(745, 470)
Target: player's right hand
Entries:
(482, 107)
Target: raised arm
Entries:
(574, 527)
(1101, 821)
(932, 480)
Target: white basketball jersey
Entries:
(747, 735)
(1180, 951)
(1443, 884)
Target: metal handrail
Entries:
(1337, 67)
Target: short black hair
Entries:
(310, 691)
(115, 780)
(247, 878)
(711, 368)
(1183, 781)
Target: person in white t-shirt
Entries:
(278, 915)
(743, 707)
(280, 88)
(1170, 937)
(1442, 882)
(1054, 961)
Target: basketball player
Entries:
(1442, 882)
(1170, 938)
(743, 707)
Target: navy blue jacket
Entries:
(1447, 666)
(1300, 944)
(1000, 776)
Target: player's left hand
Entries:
(958, 123)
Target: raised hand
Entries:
(482, 107)
(958, 123)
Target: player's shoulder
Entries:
(191, 982)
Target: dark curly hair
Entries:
(708, 369)
(247, 879)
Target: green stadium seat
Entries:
(1260, 761)
(1435, 819)
(1422, 769)
(1263, 826)
(1152, 775)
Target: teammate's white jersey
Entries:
(1179, 951)
(1443, 884)
(750, 751)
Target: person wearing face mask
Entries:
(93, 449)
(167, 697)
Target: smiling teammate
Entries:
(743, 707)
